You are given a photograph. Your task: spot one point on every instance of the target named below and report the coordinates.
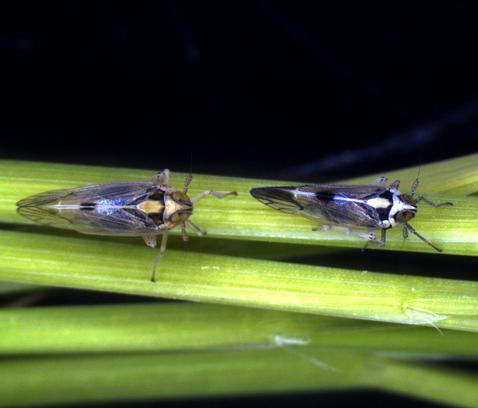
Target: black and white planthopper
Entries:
(345, 207)
(133, 209)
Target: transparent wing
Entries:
(111, 209)
(344, 213)
(45, 216)
(318, 202)
(129, 191)
(279, 198)
(119, 222)
(342, 204)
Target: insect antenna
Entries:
(415, 184)
(189, 177)
(187, 182)
(413, 231)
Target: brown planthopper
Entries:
(137, 208)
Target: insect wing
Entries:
(40, 207)
(351, 191)
(45, 216)
(90, 193)
(279, 198)
(102, 209)
(337, 204)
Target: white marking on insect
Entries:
(379, 202)
(385, 224)
(108, 207)
(339, 197)
(398, 206)
(63, 206)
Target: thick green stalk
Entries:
(75, 379)
(186, 326)
(8, 288)
(452, 228)
(119, 267)
(225, 268)
(438, 384)
(454, 176)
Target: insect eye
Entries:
(180, 216)
(404, 216)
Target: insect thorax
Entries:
(153, 206)
(402, 208)
(177, 208)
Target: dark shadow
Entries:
(399, 263)
(395, 262)
(219, 246)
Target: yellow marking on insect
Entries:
(151, 206)
(173, 206)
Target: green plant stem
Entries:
(457, 176)
(436, 384)
(8, 288)
(75, 379)
(190, 364)
(38, 381)
(124, 268)
(451, 228)
(185, 326)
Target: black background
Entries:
(240, 88)
(290, 90)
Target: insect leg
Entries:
(184, 233)
(395, 184)
(162, 177)
(381, 181)
(211, 192)
(150, 240)
(195, 228)
(162, 250)
(405, 232)
(421, 198)
(381, 243)
(412, 230)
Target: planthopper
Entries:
(133, 209)
(353, 209)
